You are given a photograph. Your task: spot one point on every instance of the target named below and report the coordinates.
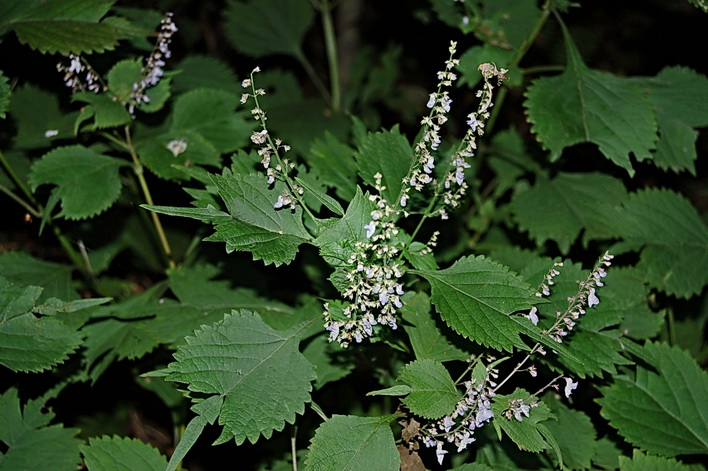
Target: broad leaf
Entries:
(30, 442)
(679, 96)
(260, 378)
(334, 163)
(331, 362)
(38, 118)
(121, 453)
(529, 434)
(253, 28)
(197, 71)
(674, 237)
(574, 433)
(55, 278)
(584, 105)
(389, 154)
(560, 208)
(643, 462)
(433, 393)
(663, 409)
(427, 340)
(476, 296)
(350, 443)
(88, 183)
(105, 111)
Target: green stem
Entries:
(39, 212)
(331, 46)
(316, 80)
(28, 207)
(138, 169)
(523, 49)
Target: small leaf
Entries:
(529, 434)
(30, 442)
(387, 153)
(584, 105)
(252, 28)
(433, 393)
(675, 240)
(5, 93)
(88, 183)
(258, 372)
(571, 202)
(350, 443)
(105, 111)
(475, 297)
(663, 410)
(119, 453)
(398, 390)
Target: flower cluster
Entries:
(374, 289)
(544, 290)
(152, 71)
(276, 168)
(565, 321)
(471, 412)
(79, 76)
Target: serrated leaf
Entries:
(398, 390)
(433, 393)
(5, 93)
(644, 462)
(427, 340)
(157, 156)
(585, 105)
(331, 364)
(674, 237)
(197, 71)
(334, 163)
(350, 443)
(88, 183)
(475, 297)
(260, 374)
(121, 454)
(30, 442)
(321, 197)
(387, 153)
(679, 96)
(211, 114)
(105, 111)
(252, 28)
(23, 269)
(574, 433)
(664, 409)
(529, 434)
(560, 208)
(36, 111)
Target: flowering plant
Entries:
(403, 293)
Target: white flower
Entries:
(448, 423)
(593, 300)
(521, 409)
(50, 133)
(569, 386)
(440, 453)
(472, 121)
(532, 315)
(466, 440)
(177, 146)
(431, 101)
(370, 229)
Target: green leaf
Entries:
(197, 71)
(674, 237)
(475, 297)
(5, 93)
(476, 55)
(88, 183)
(398, 390)
(643, 462)
(584, 105)
(350, 443)
(387, 153)
(334, 163)
(258, 372)
(55, 278)
(68, 26)
(121, 454)
(210, 113)
(427, 340)
(573, 432)
(30, 442)
(157, 156)
(105, 111)
(321, 197)
(571, 202)
(36, 112)
(529, 434)
(254, 29)
(331, 364)
(678, 95)
(433, 393)
(662, 410)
